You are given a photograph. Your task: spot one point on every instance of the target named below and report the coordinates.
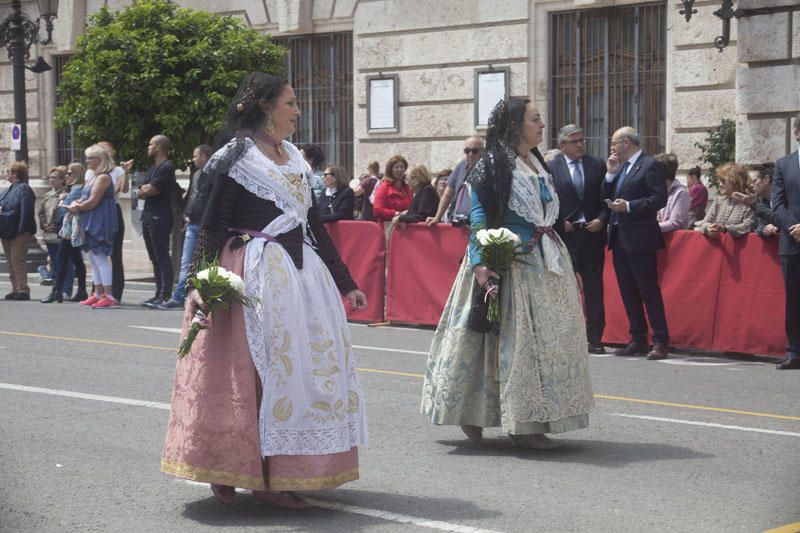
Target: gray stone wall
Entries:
(434, 51)
(435, 47)
(701, 81)
(768, 82)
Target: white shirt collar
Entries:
(632, 159)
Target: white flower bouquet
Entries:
(498, 248)
(219, 288)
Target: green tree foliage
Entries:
(719, 148)
(156, 68)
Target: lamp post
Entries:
(17, 34)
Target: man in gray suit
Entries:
(786, 205)
(582, 220)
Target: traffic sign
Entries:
(16, 137)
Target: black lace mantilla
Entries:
(491, 179)
(232, 206)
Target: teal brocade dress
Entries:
(533, 377)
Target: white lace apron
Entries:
(524, 201)
(312, 403)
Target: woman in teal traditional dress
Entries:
(532, 376)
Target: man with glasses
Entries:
(582, 220)
(454, 205)
(635, 190)
(761, 201)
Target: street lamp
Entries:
(17, 34)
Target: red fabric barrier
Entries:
(422, 265)
(361, 245)
(689, 269)
(751, 308)
(722, 295)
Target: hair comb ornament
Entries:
(248, 96)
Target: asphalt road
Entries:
(693, 443)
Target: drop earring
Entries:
(270, 127)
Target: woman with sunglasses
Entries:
(50, 218)
(98, 218)
(337, 199)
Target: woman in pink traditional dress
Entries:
(268, 398)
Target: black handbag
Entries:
(477, 320)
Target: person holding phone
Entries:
(725, 215)
(636, 190)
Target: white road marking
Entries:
(84, 396)
(356, 346)
(689, 362)
(166, 406)
(154, 328)
(706, 424)
(382, 349)
(395, 517)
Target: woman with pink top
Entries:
(698, 196)
(674, 215)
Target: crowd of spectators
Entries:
(401, 195)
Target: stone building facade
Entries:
(434, 49)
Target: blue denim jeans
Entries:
(52, 252)
(189, 241)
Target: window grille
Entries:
(65, 150)
(608, 69)
(320, 69)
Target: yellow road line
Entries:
(700, 407)
(419, 376)
(87, 341)
(788, 528)
(390, 372)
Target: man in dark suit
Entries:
(582, 220)
(636, 190)
(786, 205)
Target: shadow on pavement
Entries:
(602, 453)
(245, 512)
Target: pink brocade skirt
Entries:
(212, 435)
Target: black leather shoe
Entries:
(22, 296)
(11, 296)
(633, 348)
(789, 364)
(79, 296)
(659, 351)
(596, 348)
(55, 296)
